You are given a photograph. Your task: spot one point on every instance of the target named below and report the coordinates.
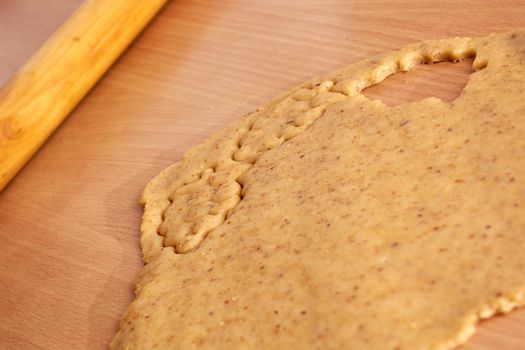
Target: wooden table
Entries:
(69, 221)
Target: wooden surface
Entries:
(46, 89)
(69, 221)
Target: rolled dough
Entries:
(325, 220)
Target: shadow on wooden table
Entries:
(109, 304)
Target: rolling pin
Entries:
(45, 90)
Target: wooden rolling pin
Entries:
(45, 90)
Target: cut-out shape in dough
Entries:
(420, 83)
(326, 220)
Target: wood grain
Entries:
(69, 221)
(43, 92)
